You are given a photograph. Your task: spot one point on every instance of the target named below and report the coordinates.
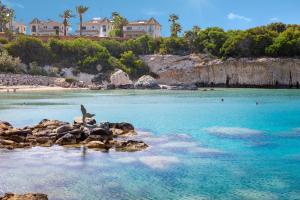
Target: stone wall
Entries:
(206, 70)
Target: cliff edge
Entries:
(205, 70)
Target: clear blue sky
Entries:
(228, 14)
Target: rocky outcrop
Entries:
(30, 196)
(25, 79)
(120, 79)
(104, 136)
(204, 70)
(146, 82)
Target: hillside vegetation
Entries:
(273, 40)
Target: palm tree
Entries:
(66, 19)
(175, 26)
(80, 11)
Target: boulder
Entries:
(67, 139)
(130, 146)
(64, 128)
(11, 196)
(126, 127)
(18, 132)
(101, 134)
(96, 145)
(90, 121)
(5, 126)
(120, 79)
(146, 82)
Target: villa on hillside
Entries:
(17, 27)
(142, 27)
(96, 27)
(46, 28)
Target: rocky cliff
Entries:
(208, 71)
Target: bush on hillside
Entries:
(3, 41)
(132, 65)
(84, 53)
(9, 64)
(29, 50)
(286, 44)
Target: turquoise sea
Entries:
(200, 147)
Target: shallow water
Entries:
(201, 148)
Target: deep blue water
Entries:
(201, 147)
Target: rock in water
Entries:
(63, 129)
(11, 196)
(67, 139)
(146, 82)
(130, 146)
(120, 79)
(96, 145)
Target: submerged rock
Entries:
(130, 145)
(30, 196)
(96, 145)
(146, 82)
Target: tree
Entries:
(118, 23)
(192, 39)
(175, 26)
(286, 44)
(6, 16)
(67, 15)
(80, 11)
(133, 65)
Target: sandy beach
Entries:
(30, 88)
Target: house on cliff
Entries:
(97, 27)
(46, 28)
(138, 28)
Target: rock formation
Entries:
(30, 196)
(53, 132)
(121, 79)
(25, 79)
(205, 70)
(146, 82)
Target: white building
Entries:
(96, 27)
(142, 27)
(17, 27)
(46, 28)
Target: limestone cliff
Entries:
(206, 70)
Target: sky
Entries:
(228, 14)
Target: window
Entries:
(83, 28)
(33, 29)
(55, 27)
(45, 27)
(128, 28)
(104, 28)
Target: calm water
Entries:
(201, 148)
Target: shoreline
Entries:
(30, 88)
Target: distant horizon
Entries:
(203, 13)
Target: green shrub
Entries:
(9, 64)
(35, 69)
(133, 65)
(114, 47)
(29, 50)
(174, 45)
(84, 53)
(3, 41)
(286, 44)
